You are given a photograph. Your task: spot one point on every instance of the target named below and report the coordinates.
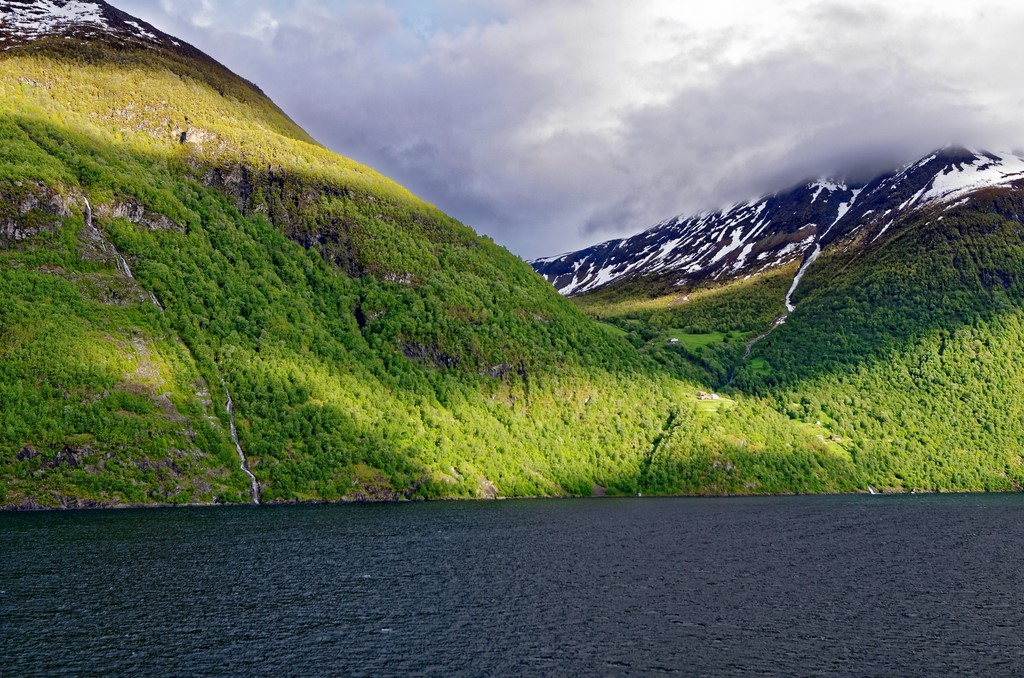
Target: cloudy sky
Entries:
(554, 125)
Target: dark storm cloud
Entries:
(551, 125)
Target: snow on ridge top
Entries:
(825, 185)
(142, 32)
(548, 260)
(753, 235)
(26, 20)
(30, 19)
(987, 169)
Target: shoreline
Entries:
(353, 502)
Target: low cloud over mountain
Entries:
(550, 126)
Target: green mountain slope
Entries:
(913, 349)
(168, 238)
(905, 351)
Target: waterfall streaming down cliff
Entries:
(122, 263)
(243, 462)
(815, 253)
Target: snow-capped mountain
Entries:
(27, 21)
(779, 228)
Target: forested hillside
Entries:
(905, 343)
(913, 350)
(170, 239)
(200, 304)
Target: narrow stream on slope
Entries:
(800, 274)
(229, 405)
(122, 265)
(815, 253)
(243, 462)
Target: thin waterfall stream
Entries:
(811, 258)
(122, 264)
(243, 461)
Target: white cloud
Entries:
(200, 13)
(549, 125)
(263, 24)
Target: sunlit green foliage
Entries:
(902, 358)
(374, 347)
(711, 324)
(911, 350)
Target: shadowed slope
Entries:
(373, 347)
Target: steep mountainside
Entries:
(772, 231)
(910, 346)
(899, 332)
(200, 304)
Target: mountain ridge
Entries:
(25, 22)
(771, 231)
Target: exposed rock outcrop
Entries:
(136, 212)
(30, 208)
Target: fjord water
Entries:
(849, 584)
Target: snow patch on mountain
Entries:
(750, 237)
(811, 258)
(140, 31)
(771, 231)
(825, 185)
(45, 17)
(23, 21)
(986, 170)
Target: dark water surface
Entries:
(853, 585)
